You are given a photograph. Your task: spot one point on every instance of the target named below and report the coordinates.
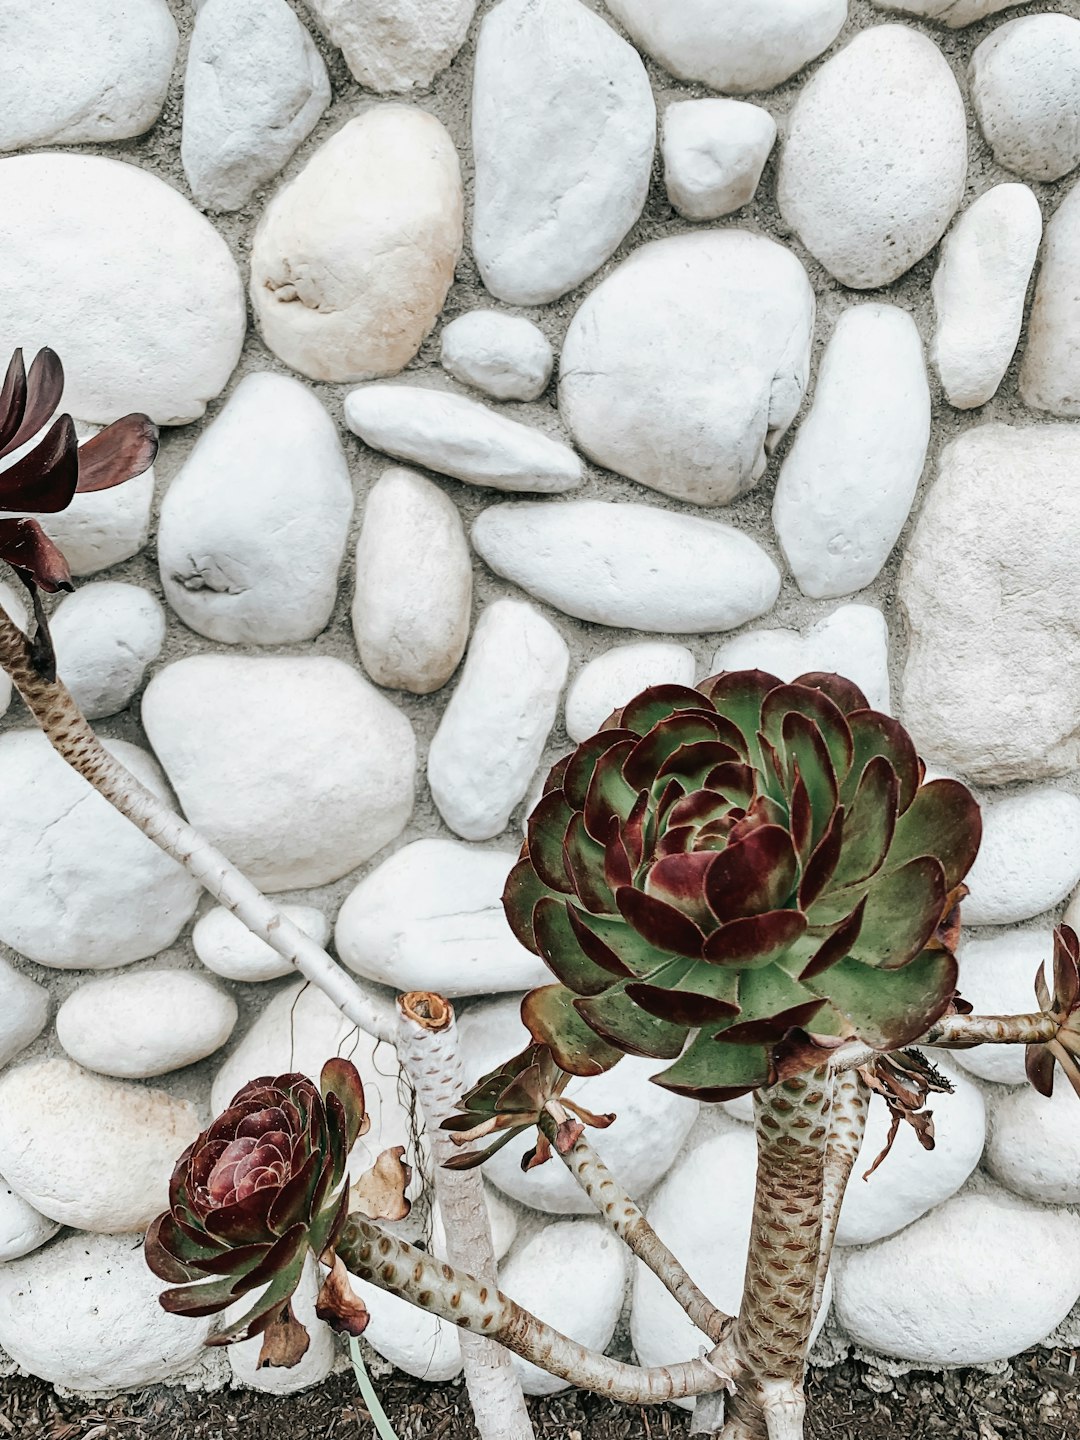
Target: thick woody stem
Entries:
(847, 1126)
(69, 732)
(627, 1221)
(427, 1045)
(453, 1295)
(961, 1032)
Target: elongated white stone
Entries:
(1050, 368)
(225, 945)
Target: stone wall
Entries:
(788, 428)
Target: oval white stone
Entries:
(493, 731)
(254, 527)
(317, 1362)
(617, 675)
(847, 484)
(1034, 1145)
(135, 1026)
(225, 945)
(82, 888)
(1029, 859)
(953, 13)
(1050, 368)
(237, 735)
(22, 1228)
(24, 1008)
(505, 356)
(633, 566)
(409, 1338)
(686, 364)
(89, 1152)
(714, 153)
(876, 156)
(1024, 79)
(431, 918)
(353, 257)
(105, 636)
(395, 44)
(997, 976)
(144, 304)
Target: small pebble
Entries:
(506, 357)
(1050, 367)
(395, 45)
(225, 945)
(714, 152)
(22, 1228)
(24, 1009)
(617, 675)
(1024, 80)
(1034, 1145)
(1029, 859)
(106, 635)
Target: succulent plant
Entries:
(1064, 1006)
(729, 876)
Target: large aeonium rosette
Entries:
(723, 873)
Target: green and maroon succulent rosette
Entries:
(723, 870)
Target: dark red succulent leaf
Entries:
(1063, 1004)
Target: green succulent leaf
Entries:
(558, 943)
(626, 1026)
(711, 1072)
(551, 1019)
(890, 1008)
(943, 820)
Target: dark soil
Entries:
(1038, 1400)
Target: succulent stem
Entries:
(959, 1031)
(427, 1044)
(847, 1126)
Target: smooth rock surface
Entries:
(24, 1009)
(505, 356)
(22, 1228)
(83, 70)
(714, 152)
(296, 767)
(852, 641)
(876, 156)
(617, 675)
(740, 45)
(1034, 1145)
(571, 1275)
(979, 289)
(850, 477)
(462, 438)
(143, 298)
(1024, 79)
(411, 1339)
(431, 918)
(633, 566)
(82, 888)
(953, 13)
(225, 945)
(135, 1026)
(1029, 859)
(413, 599)
(105, 636)
(89, 1152)
(991, 591)
(1029, 1254)
(686, 365)
(102, 527)
(395, 45)
(253, 528)
(84, 1315)
(997, 976)
(564, 129)
(353, 257)
(1050, 367)
(639, 1148)
(254, 88)
(493, 731)
(317, 1362)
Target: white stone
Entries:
(711, 1239)
(462, 438)
(22, 1228)
(298, 1032)
(254, 88)
(847, 484)
(1034, 1145)
(431, 918)
(739, 45)
(505, 356)
(572, 1275)
(1024, 78)
(102, 527)
(991, 592)
(136, 1026)
(686, 365)
(971, 1251)
(14, 607)
(633, 566)
(142, 299)
(617, 675)
(714, 152)
(410, 1338)
(296, 767)
(353, 257)
(997, 976)
(493, 731)
(413, 599)
(81, 887)
(105, 636)
(853, 641)
(395, 45)
(953, 13)
(225, 945)
(639, 1148)
(1050, 368)
(1029, 859)
(83, 70)
(84, 1315)
(24, 1008)
(564, 129)
(317, 1362)
(979, 288)
(876, 156)
(86, 1151)
(253, 528)
(912, 1180)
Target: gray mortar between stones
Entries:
(448, 98)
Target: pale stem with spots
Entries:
(847, 1126)
(427, 1044)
